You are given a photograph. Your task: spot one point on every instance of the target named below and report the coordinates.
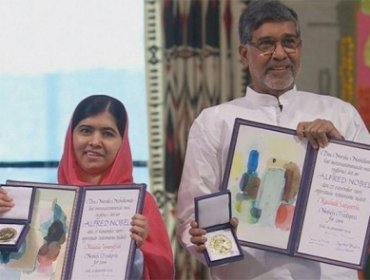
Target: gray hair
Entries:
(259, 12)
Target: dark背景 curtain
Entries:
(192, 63)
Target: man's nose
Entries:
(279, 52)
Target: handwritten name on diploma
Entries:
(347, 246)
(109, 200)
(109, 204)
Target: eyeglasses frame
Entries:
(271, 52)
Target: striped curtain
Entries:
(192, 63)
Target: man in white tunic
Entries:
(270, 46)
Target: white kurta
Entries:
(206, 158)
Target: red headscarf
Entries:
(157, 251)
(120, 172)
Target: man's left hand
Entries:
(318, 132)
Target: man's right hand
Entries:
(198, 234)
(6, 202)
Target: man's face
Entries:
(272, 73)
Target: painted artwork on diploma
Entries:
(42, 254)
(264, 176)
(292, 199)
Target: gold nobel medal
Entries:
(220, 244)
(7, 234)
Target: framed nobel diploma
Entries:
(78, 232)
(213, 213)
(102, 247)
(14, 224)
(295, 200)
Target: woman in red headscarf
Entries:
(97, 152)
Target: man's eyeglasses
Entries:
(267, 46)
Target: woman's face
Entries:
(96, 141)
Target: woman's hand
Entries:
(6, 202)
(234, 222)
(318, 132)
(198, 234)
(139, 229)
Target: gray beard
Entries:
(279, 84)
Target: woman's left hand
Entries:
(139, 229)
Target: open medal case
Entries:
(213, 213)
(14, 224)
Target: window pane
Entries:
(36, 110)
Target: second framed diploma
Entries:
(295, 200)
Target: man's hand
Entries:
(318, 132)
(6, 202)
(198, 234)
(139, 229)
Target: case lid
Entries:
(22, 199)
(214, 209)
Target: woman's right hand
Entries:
(6, 202)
